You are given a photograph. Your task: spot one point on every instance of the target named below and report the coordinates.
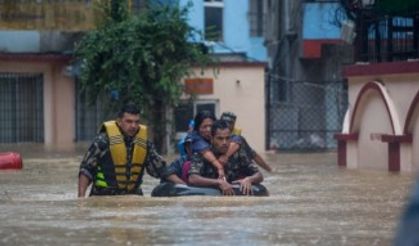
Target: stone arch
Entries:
(412, 115)
(362, 100)
(411, 129)
(374, 115)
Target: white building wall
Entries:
(241, 89)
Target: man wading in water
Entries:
(116, 159)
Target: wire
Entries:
(287, 79)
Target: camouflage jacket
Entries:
(238, 166)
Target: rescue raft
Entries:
(168, 189)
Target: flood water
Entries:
(312, 202)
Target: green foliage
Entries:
(141, 57)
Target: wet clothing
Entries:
(239, 166)
(181, 142)
(99, 160)
(180, 167)
(246, 147)
(117, 168)
(181, 146)
(198, 145)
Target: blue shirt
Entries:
(198, 143)
(181, 146)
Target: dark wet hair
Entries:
(129, 108)
(219, 125)
(229, 117)
(201, 116)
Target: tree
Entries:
(140, 58)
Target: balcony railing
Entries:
(384, 31)
(387, 38)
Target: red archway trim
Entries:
(370, 86)
(410, 113)
(342, 139)
(383, 68)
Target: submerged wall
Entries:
(381, 128)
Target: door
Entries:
(21, 108)
(187, 111)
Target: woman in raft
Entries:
(197, 141)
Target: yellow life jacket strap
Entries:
(116, 143)
(140, 148)
(139, 155)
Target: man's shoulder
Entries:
(101, 139)
(150, 145)
(102, 135)
(240, 151)
(198, 158)
(240, 156)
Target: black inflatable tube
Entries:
(168, 189)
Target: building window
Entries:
(183, 113)
(206, 105)
(187, 111)
(256, 18)
(213, 10)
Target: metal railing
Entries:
(387, 38)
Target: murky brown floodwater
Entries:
(312, 202)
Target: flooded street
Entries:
(312, 202)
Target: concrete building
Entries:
(307, 96)
(37, 89)
(380, 130)
(40, 100)
(233, 32)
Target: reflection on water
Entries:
(312, 202)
